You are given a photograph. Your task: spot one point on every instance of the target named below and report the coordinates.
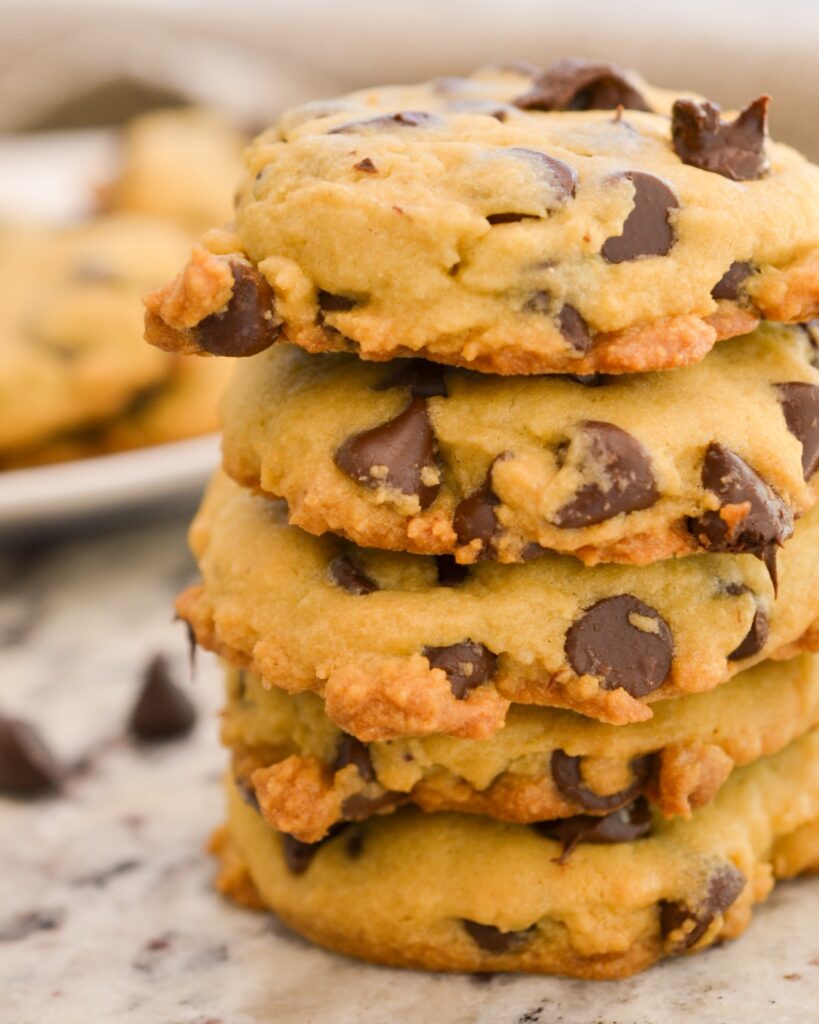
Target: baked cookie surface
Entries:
(406, 645)
(462, 892)
(417, 457)
(507, 223)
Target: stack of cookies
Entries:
(513, 569)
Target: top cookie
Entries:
(509, 222)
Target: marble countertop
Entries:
(106, 908)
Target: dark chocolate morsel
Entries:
(423, 378)
(730, 284)
(560, 176)
(357, 807)
(351, 577)
(607, 643)
(248, 325)
(613, 455)
(474, 516)
(621, 826)
(588, 380)
(735, 149)
(754, 640)
(366, 166)
(574, 328)
(568, 779)
(492, 939)
(467, 665)
(297, 855)
(577, 84)
(800, 404)
(676, 916)
(163, 711)
(757, 520)
(510, 218)
(646, 230)
(27, 766)
(394, 454)
(388, 122)
(450, 573)
(330, 303)
(353, 751)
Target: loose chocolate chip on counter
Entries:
(474, 516)
(576, 84)
(423, 378)
(608, 643)
(27, 767)
(800, 404)
(574, 328)
(450, 573)
(395, 454)
(494, 940)
(735, 149)
(353, 751)
(646, 231)
(762, 520)
(162, 711)
(248, 325)
(730, 285)
(467, 665)
(388, 122)
(568, 779)
(559, 176)
(621, 826)
(330, 303)
(676, 916)
(351, 577)
(615, 456)
(366, 166)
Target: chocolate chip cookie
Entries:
(544, 765)
(515, 221)
(463, 892)
(418, 457)
(407, 645)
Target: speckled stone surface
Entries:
(106, 907)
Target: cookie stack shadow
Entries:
(513, 569)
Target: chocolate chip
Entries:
(388, 122)
(735, 149)
(353, 751)
(494, 940)
(449, 572)
(297, 855)
(800, 404)
(621, 826)
(574, 328)
(768, 520)
(474, 516)
(396, 454)
(605, 642)
(589, 380)
(811, 330)
(351, 577)
(646, 231)
(559, 176)
(423, 378)
(248, 325)
(467, 665)
(358, 806)
(612, 455)
(568, 779)
(577, 84)
(510, 218)
(162, 711)
(27, 767)
(247, 791)
(366, 166)
(731, 283)
(754, 640)
(723, 889)
(329, 303)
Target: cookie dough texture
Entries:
(307, 775)
(401, 646)
(466, 222)
(607, 469)
(459, 892)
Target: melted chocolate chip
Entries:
(366, 166)
(395, 454)
(646, 231)
(492, 939)
(723, 889)
(589, 380)
(735, 149)
(618, 458)
(358, 806)
(27, 767)
(559, 176)
(768, 520)
(467, 665)
(450, 573)
(474, 516)
(574, 328)
(353, 751)
(510, 218)
(297, 855)
(568, 779)
(424, 379)
(162, 710)
(576, 84)
(730, 285)
(800, 404)
(351, 577)
(248, 325)
(389, 122)
(621, 826)
(754, 640)
(330, 303)
(606, 643)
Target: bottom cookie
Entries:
(460, 892)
